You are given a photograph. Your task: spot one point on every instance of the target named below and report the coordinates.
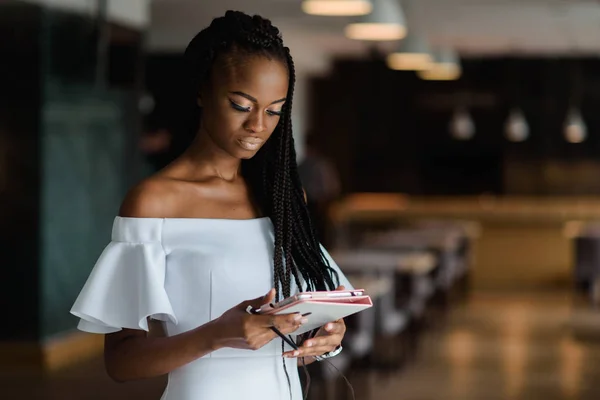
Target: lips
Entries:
(250, 143)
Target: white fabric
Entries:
(187, 272)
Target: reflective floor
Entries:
(496, 346)
(506, 346)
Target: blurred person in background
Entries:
(322, 186)
(225, 222)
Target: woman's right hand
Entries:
(241, 330)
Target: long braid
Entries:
(286, 129)
(278, 218)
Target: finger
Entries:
(269, 297)
(341, 287)
(259, 301)
(292, 353)
(315, 347)
(290, 328)
(325, 341)
(290, 324)
(281, 321)
(337, 327)
(308, 352)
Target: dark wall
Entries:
(89, 153)
(68, 153)
(20, 99)
(389, 131)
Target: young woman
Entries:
(225, 222)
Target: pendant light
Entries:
(462, 126)
(385, 22)
(337, 7)
(516, 128)
(413, 53)
(575, 129)
(445, 67)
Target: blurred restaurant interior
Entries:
(457, 141)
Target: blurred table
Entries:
(518, 242)
(377, 261)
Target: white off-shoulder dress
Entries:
(187, 272)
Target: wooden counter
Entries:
(518, 242)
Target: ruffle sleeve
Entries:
(127, 283)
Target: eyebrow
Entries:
(254, 100)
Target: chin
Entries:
(243, 154)
(247, 156)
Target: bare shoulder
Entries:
(151, 198)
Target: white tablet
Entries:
(320, 307)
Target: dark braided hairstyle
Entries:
(271, 174)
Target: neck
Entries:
(208, 160)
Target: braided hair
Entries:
(271, 174)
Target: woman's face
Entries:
(243, 103)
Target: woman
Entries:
(223, 223)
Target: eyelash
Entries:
(237, 107)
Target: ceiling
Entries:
(474, 27)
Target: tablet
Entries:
(320, 307)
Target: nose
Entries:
(255, 122)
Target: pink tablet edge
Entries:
(317, 301)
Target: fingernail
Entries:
(303, 320)
(298, 317)
(329, 327)
(308, 344)
(295, 353)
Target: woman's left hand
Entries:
(327, 339)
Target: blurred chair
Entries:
(446, 244)
(391, 322)
(587, 261)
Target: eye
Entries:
(237, 107)
(275, 113)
